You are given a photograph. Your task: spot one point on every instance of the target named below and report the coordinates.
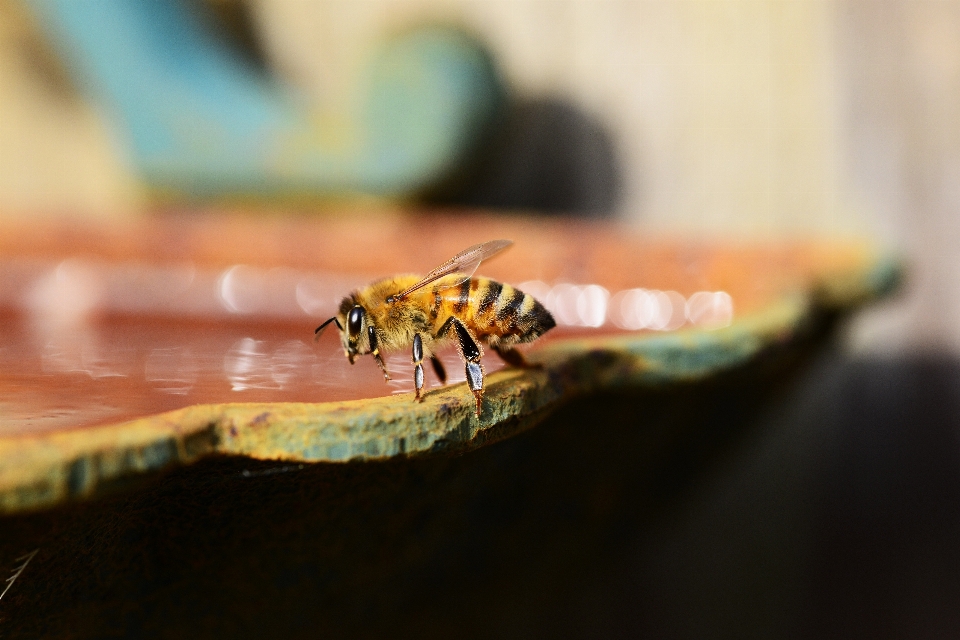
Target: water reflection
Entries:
(69, 344)
(401, 370)
(247, 366)
(291, 363)
(123, 339)
(172, 370)
(252, 364)
(401, 373)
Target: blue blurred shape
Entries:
(200, 121)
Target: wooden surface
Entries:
(127, 349)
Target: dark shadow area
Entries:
(234, 23)
(698, 512)
(498, 542)
(885, 560)
(545, 156)
(837, 517)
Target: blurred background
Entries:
(711, 119)
(695, 117)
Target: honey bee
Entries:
(446, 305)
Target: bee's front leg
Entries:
(418, 364)
(375, 350)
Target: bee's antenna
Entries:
(319, 330)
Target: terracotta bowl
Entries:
(128, 348)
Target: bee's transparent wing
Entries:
(460, 267)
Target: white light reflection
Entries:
(245, 289)
(571, 305)
(74, 290)
(81, 351)
(320, 295)
(67, 294)
(247, 366)
(229, 288)
(635, 309)
(251, 364)
(62, 302)
(710, 309)
(62, 356)
(592, 305)
(624, 309)
(172, 370)
(655, 310)
(536, 288)
(401, 374)
(677, 315)
(561, 301)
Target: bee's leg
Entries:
(382, 365)
(418, 364)
(438, 369)
(475, 380)
(470, 352)
(445, 328)
(515, 357)
(375, 350)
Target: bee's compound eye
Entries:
(355, 321)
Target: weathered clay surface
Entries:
(38, 470)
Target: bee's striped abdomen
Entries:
(463, 295)
(505, 314)
(488, 299)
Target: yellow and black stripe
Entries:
(491, 308)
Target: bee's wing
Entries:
(460, 267)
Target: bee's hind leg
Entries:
(470, 352)
(418, 365)
(475, 380)
(515, 357)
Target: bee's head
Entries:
(355, 322)
(350, 320)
